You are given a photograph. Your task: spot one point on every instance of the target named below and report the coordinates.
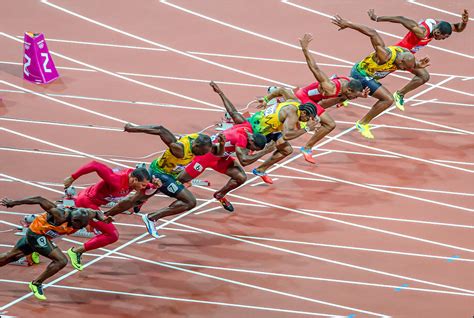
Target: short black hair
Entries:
(309, 108)
(445, 28)
(203, 140)
(141, 174)
(259, 140)
(355, 85)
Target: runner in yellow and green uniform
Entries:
(180, 152)
(376, 66)
(281, 122)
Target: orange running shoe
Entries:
(308, 155)
(263, 175)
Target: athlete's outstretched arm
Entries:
(410, 24)
(286, 93)
(176, 148)
(325, 84)
(459, 27)
(237, 117)
(246, 159)
(377, 42)
(104, 172)
(44, 203)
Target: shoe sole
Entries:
(147, 224)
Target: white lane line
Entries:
(52, 123)
(379, 31)
(423, 102)
(444, 257)
(187, 79)
(422, 190)
(436, 9)
(456, 162)
(290, 251)
(390, 219)
(285, 43)
(139, 38)
(58, 67)
(240, 270)
(208, 210)
(186, 300)
(156, 88)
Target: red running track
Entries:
(377, 228)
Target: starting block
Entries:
(38, 66)
(24, 261)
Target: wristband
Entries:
(307, 129)
(265, 98)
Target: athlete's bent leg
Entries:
(59, 261)
(385, 100)
(284, 149)
(185, 201)
(237, 178)
(421, 77)
(11, 256)
(327, 125)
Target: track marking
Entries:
(456, 162)
(156, 88)
(346, 247)
(423, 102)
(186, 300)
(436, 9)
(241, 270)
(379, 31)
(139, 38)
(284, 250)
(283, 42)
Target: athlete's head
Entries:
(201, 145)
(138, 179)
(353, 88)
(256, 141)
(442, 30)
(307, 112)
(78, 218)
(405, 61)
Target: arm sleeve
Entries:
(102, 170)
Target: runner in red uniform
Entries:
(335, 90)
(114, 186)
(419, 36)
(239, 140)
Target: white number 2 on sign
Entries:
(25, 66)
(45, 63)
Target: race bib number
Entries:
(313, 92)
(42, 241)
(198, 167)
(381, 74)
(172, 188)
(270, 110)
(52, 234)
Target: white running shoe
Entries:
(150, 226)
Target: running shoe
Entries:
(150, 226)
(399, 101)
(75, 259)
(225, 204)
(37, 291)
(364, 130)
(263, 175)
(35, 258)
(308, 155)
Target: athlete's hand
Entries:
(372, 15)
(304, 42)
(312, 124)
(465, 16)
(156, 182)
(68, 182)
(108, 219)
(424, 62)
(221, 139)
(261, 103)
(127, 127)
(216, 88)
(365, 93)
(340, 22)
(7, 203)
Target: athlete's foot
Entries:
(37, 290)
(35, 258)
(399, 102)
(225, 203)
(75, 259)
(343, 104)
(308, 155)
(364, 130)
(215, 87)
(150, 226)
(263, 175)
